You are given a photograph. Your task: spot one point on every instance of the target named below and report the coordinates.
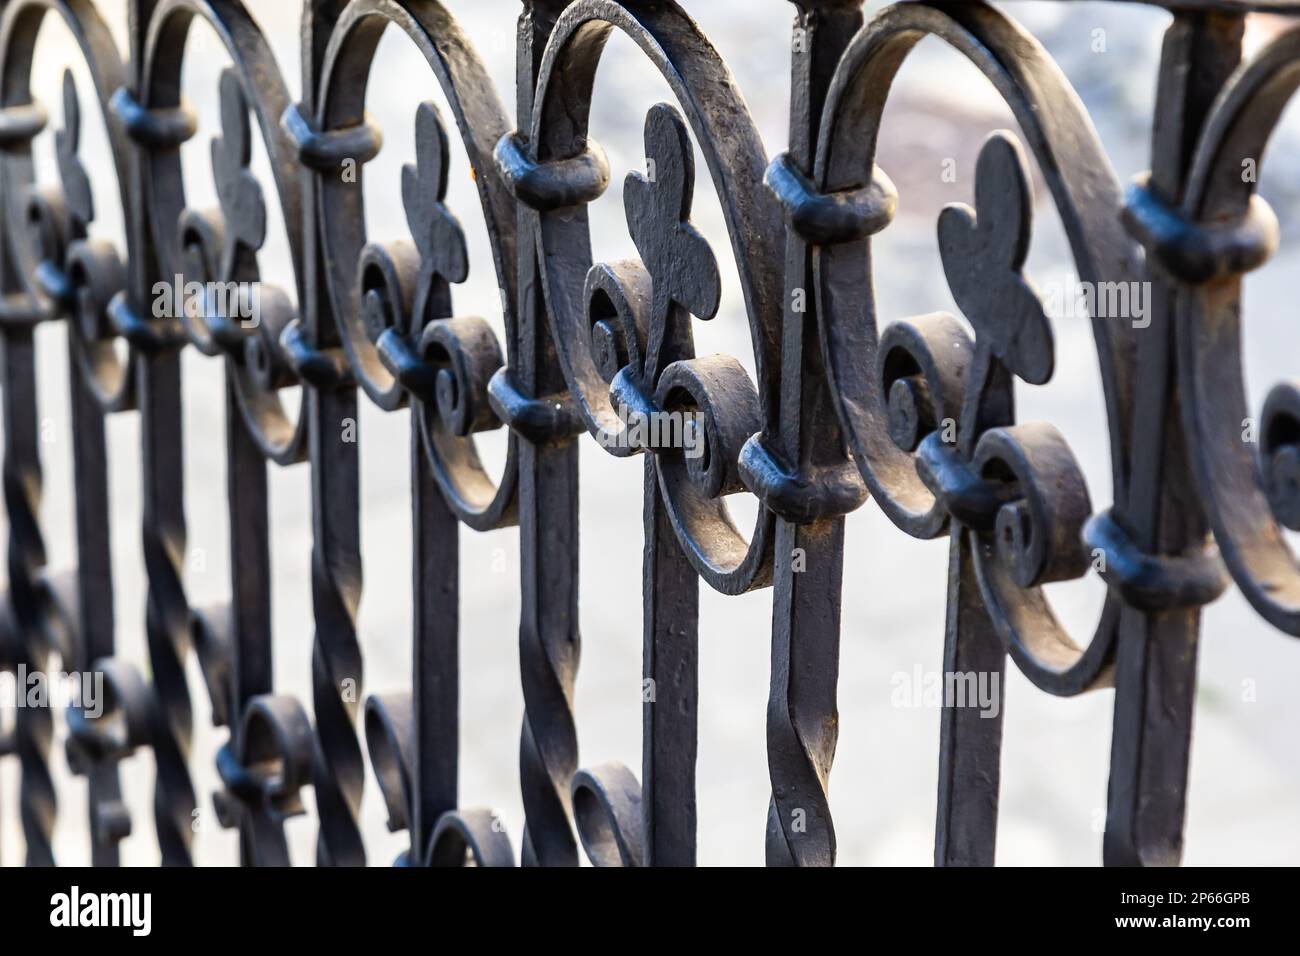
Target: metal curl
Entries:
(721, 391)
(1038, 532)
(619, 298)
(264, 776)
(474, 836)
(388, 276)
(921, 367)
(264, 355)
(390, 739)
(466, 355)
(607, 810)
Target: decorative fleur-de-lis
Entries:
(79, 200)
(983, 251)
(240, 194)
(435, 229)
(678, 258)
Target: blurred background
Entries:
(1242, 805)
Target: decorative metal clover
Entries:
(79, 201)
(436, 230)
(243, 205)
(983, 251)
(682, 267)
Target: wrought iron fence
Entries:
(917, 415)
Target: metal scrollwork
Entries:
(917, 414)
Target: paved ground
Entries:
(1242, 807)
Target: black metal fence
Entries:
(917, 415)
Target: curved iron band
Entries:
(156, 128)
(801, 497)
(574, 181)
(1154, 583)
(149, 338)
(280, 439)
(736, 160)
(323, 369)
(1209, 344)
(327, 151)
(1194, 253)
(1087, 196)
(550, 418)
(109, 377)
(828, 219)
(477, 500)
(21, 123)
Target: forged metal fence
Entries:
(917, 415)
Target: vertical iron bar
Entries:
(802, 714)
(670, 702)
(250, 571)
(33, 726)
(338, 768)
(549, 640)
(158, 383)
(1155, 669)
(436, 650)
(167, 611)
(338, 772)
(94, 638)
(970, 742)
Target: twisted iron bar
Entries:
(338, 771)
(167, 612)
(34, 726)
(549, 642)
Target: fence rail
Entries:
(917, 415)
